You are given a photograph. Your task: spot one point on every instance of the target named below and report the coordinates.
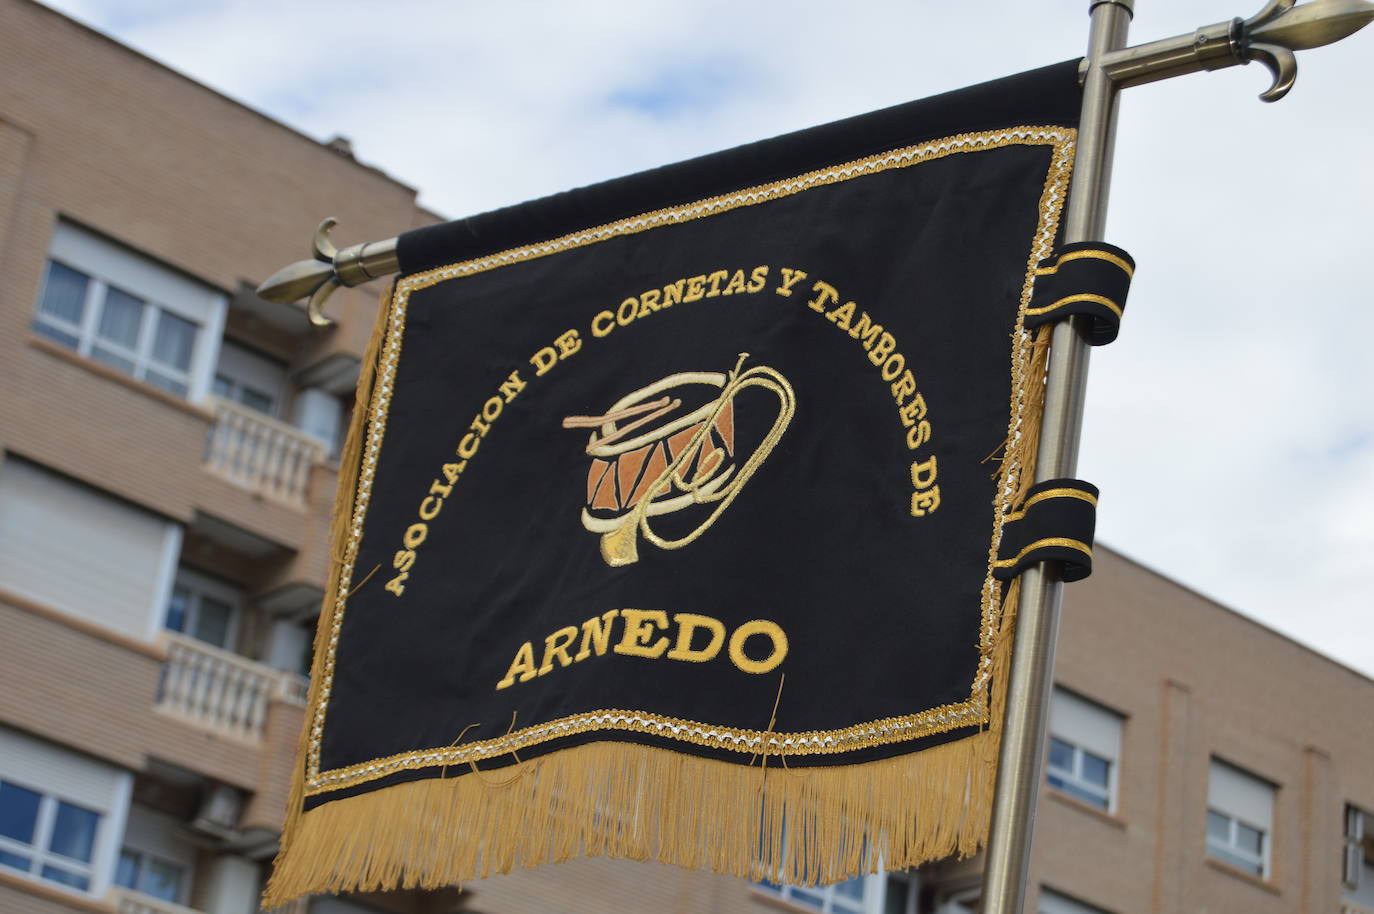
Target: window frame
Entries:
(1074, 784)
(1061, 731)
(242, 372)
(1229, 852)
(162, 291)
(1359, 849)
(143, 859)
(871, 902)
(199, 586)
(88, 338)
(40, 852)
(1244, 789)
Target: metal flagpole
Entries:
(1037, 624)
(1270, 37)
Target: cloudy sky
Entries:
(1229, 427)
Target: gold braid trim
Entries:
(1108, 256)
(1073, 299)
(1048, 494)
(1040, 544)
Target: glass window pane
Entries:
(212, 622)
(107, 357)
(169, 384)
(177, 606)
(1095, 769)
(1249, 839)
(1245, 864)
(162, 880)
(222, 387)
(1061, 754)
(850, 888)
(18, 812)
(126, 872)
(174, 340)
(66, 339)
(120, 318)
(73, 833)
(1218, 827)
(64, 293)
(14, 860)
(66, 877)
(1088, 796)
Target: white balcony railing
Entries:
(220, 691)
(260, 453)
(127, 901)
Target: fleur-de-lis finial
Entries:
(1282, 27)
(1270, 36)
(328, 270)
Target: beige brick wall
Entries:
(94, 691)
(1196, 680)
(22, 896)
(277, 762)
(92, 132)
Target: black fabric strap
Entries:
(1054, 523)
(1087, 277)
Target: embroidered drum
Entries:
(651, 458)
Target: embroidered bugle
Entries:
(686, 454)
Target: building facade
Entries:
(167, 446)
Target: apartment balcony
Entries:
(263, 455)
(221, 691)
(1350, 907)
(127, 901)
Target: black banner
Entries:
(691, 477)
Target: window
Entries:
(249, 378)
(60, 813)
(962, 899)
(321, 415)
(1085, 744)
(204, 608)
(161, 879)
(880, 893)
(1357, 872)
(156, 858)
(130, 313)
(1052, 902)
(47, 837)
(1240, 816)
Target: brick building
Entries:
(166, 472)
